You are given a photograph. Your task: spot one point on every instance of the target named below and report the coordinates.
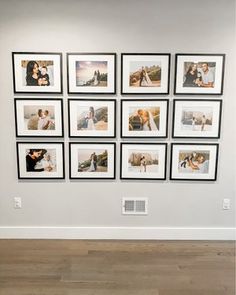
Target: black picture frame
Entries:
(44, 88)
(17, 132)
(19, 172)
(165, 145)
(123, 101)
(95, 101)
(198, 90)
(69, 86)
(194, 178)
(163, 92)
(113, 146)
(210, 101)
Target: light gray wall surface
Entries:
(184, 26)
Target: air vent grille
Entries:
(134, 206)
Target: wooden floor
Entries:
(55, 267)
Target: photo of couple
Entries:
(144, 119)
(199, 74)
(91, 73)
(194, 162)
(37, 73)
(39, 117)
(145, 74)
(143, 161)
(197, 120)
(92, 118)
(92, 161)
(41, 160)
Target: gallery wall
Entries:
(116, 26)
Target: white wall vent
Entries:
(135, 206)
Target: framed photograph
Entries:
(39, 117)
(40, 160)
(91, 160)
(91, 73)
(143, 161)
(145, 73)
(144, 118)
(196, 118)
(92, 117)
(199, 74)
(37, 72)
(193, 161)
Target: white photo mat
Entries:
(160, 149)
(74, 105)
(163, 59)
(20, 75)
(181, 59)
(21, 128)
(199, 105)
(73, 58)
(24, 147)
(139, 104)
(177, 148)
(74, 151)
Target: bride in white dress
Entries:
(148, 122)
(92, 166)
(95, 83)
(146, 81)
(90, 119)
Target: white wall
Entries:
(115, 26)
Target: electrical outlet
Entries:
(17, 203)
(226, 204)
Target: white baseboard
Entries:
(121, 233)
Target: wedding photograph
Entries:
(145, 73)
(143, 161)
(39, 117)
(40, 160)
(199, 74)
(92, 118)
(144, 118)
(196, 118)
(90, 160)
(91, 73)
(37, 72)
(194, 161)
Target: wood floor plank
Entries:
(69, 267)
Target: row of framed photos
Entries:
(140, 118)
(141, 161)
(141, 73)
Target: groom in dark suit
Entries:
(142, 75)
(95, 159)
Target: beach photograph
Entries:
(39, 117)
(91, 73)
(196, 118)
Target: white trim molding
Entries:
(119, 233)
